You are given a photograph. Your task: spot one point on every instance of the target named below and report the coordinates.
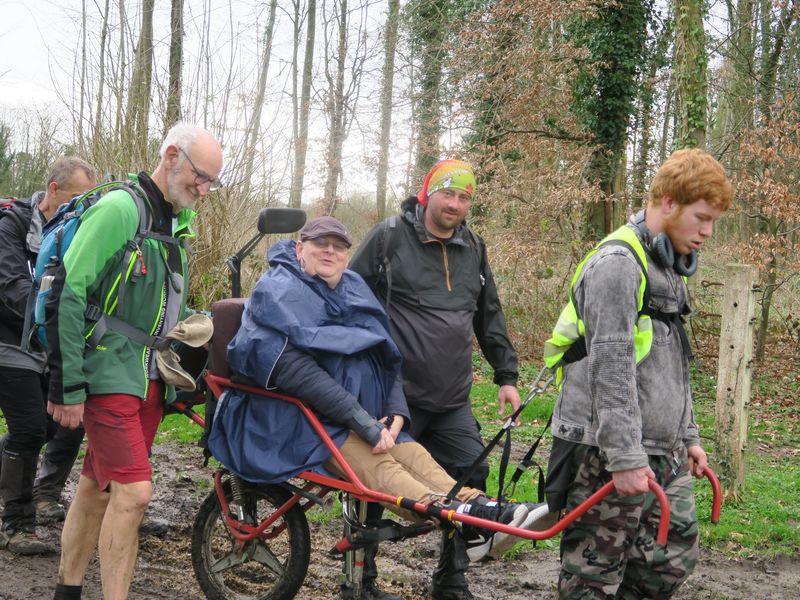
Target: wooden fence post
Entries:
(733, 380)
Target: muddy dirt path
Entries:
(164, 568)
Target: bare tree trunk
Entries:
(295, 69)
(120, 75)
(769, 65)
(84, 82)
(138, 109)
(390, 44)
(335, 106)
(430, 28)
(690, 66)
(766, 305)
(98, 134)
(175, 65)
(647, 96)
(254, 128)
(668, 109)
(301, 142)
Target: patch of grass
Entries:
(765, 520)
(532, 419)
(179, 428)
(330, 510)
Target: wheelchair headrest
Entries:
(227, 316)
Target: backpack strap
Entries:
(390, 238)
(94, 312)
(27, 325)
(105, 322)
(476, 246)
(145, 222)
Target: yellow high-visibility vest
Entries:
(567, 343)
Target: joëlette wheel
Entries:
(268, 568)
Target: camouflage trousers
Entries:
(610, 552)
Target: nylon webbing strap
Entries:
(505, 430)
(503, 466)
(466, 475)
(105, 322)
(134, 244)
(167, 239)
(25, 342)
(677, 320)
(388, 248)
(527, 462)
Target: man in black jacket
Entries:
(23, 391)
(433, 274)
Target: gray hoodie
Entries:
(629, 411)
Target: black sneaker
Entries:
(478, 540)
(537, 519)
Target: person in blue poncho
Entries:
(314, 330)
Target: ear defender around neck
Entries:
(685, 264)
(662, 251)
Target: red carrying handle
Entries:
(716, 502)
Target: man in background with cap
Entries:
(432, 273)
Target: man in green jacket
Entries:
(113, 385)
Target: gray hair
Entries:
(182, 135)
(64, 168)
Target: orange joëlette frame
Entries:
(353, 485)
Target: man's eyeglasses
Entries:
(323, 243)
(201, 177)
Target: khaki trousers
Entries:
(406, 470)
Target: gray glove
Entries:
(366, 427)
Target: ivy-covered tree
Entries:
(690, 73)
(614, 36)
(428, 22)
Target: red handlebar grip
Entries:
(663, 522)
(716, 503)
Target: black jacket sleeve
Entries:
(489, 324)
(15, 270)
(298, 374)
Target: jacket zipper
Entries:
(445, 262)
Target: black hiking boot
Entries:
(451, 593)
(370, 592)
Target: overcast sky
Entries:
(27, 29)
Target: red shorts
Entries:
(120, 430)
